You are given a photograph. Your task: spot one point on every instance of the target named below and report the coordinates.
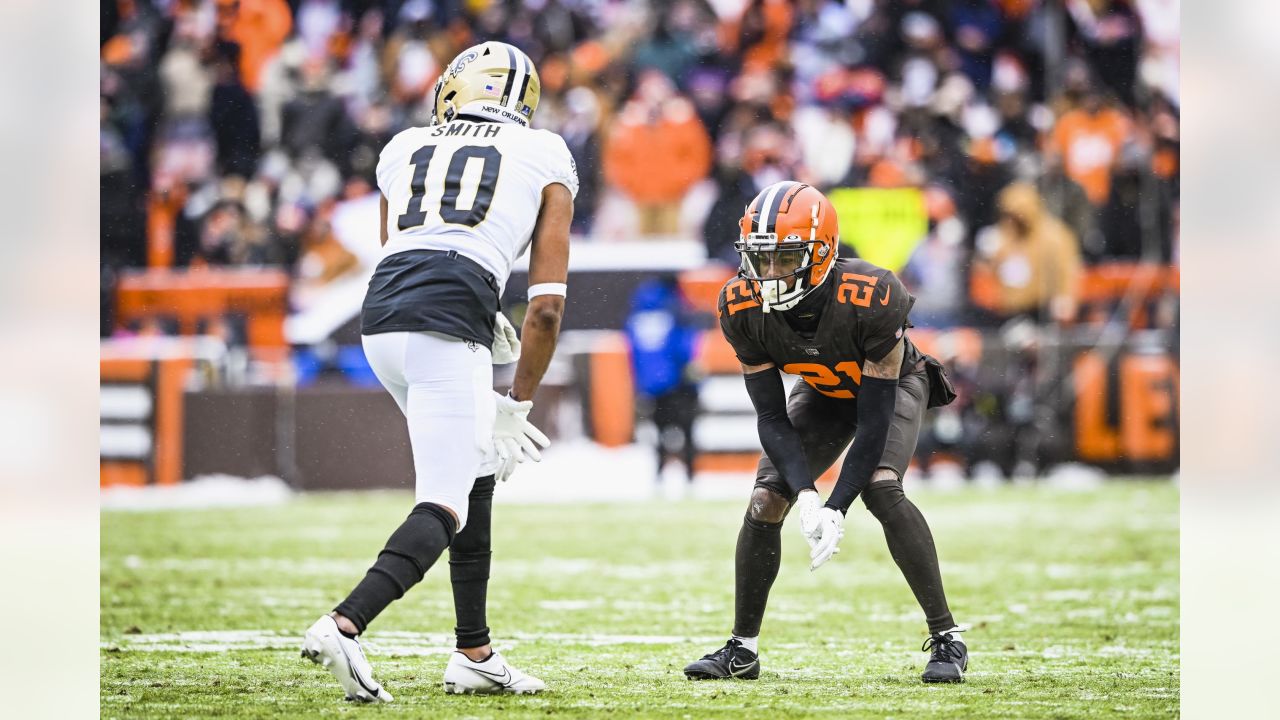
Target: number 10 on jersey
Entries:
(415, 215)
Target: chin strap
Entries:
(785, 304)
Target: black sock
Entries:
(911, 545)
(756, 561)
(469, 558)
(410, 551)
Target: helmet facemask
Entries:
(780, 270)
(436, 118)
(776, 270)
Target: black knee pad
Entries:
(430, 512)
(419, 534)
(882, 497)
(418, 538)
(767, 507)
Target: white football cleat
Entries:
(325, 645)
(463, 676)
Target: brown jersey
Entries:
(863, 319)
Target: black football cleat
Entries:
(730, 661)
(948, 657)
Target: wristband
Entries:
(547, 289)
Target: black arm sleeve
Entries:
(779, 438)
(875, 413)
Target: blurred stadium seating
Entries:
(1015, 161)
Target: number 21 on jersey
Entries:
(827, 382)
(491, 163)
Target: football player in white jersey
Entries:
(461, 200)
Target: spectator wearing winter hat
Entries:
(1028, 263)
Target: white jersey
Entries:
(472, 187)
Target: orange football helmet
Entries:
(789, 240)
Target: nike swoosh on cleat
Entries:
(351, 668)
(736, 669)
(504, 679)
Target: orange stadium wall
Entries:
(152, 425)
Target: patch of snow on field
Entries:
(205, 491)
(583, 471)
(1075, 477)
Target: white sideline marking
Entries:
(1070, 595)
(377, 643)
(576, 604)
(519, 568)
(570, 604)
(248, 565)
(561, 567)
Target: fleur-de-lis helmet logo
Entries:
(462, 61)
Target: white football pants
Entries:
(444, 387)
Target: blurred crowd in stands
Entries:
(1044, 135)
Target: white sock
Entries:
(751, 643)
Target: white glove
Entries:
(822, 528)
(506, 462)
(808, 504)
(506, 344)
(514, 436)
(830, 531)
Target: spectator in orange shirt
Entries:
(259, 27)
(763, 29)
(1087, 142)
(656, 151)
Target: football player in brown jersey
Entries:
(840, 324)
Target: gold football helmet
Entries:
(491, 80)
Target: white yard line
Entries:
(390, 643)
(544, 567)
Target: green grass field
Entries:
(1072, 596)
